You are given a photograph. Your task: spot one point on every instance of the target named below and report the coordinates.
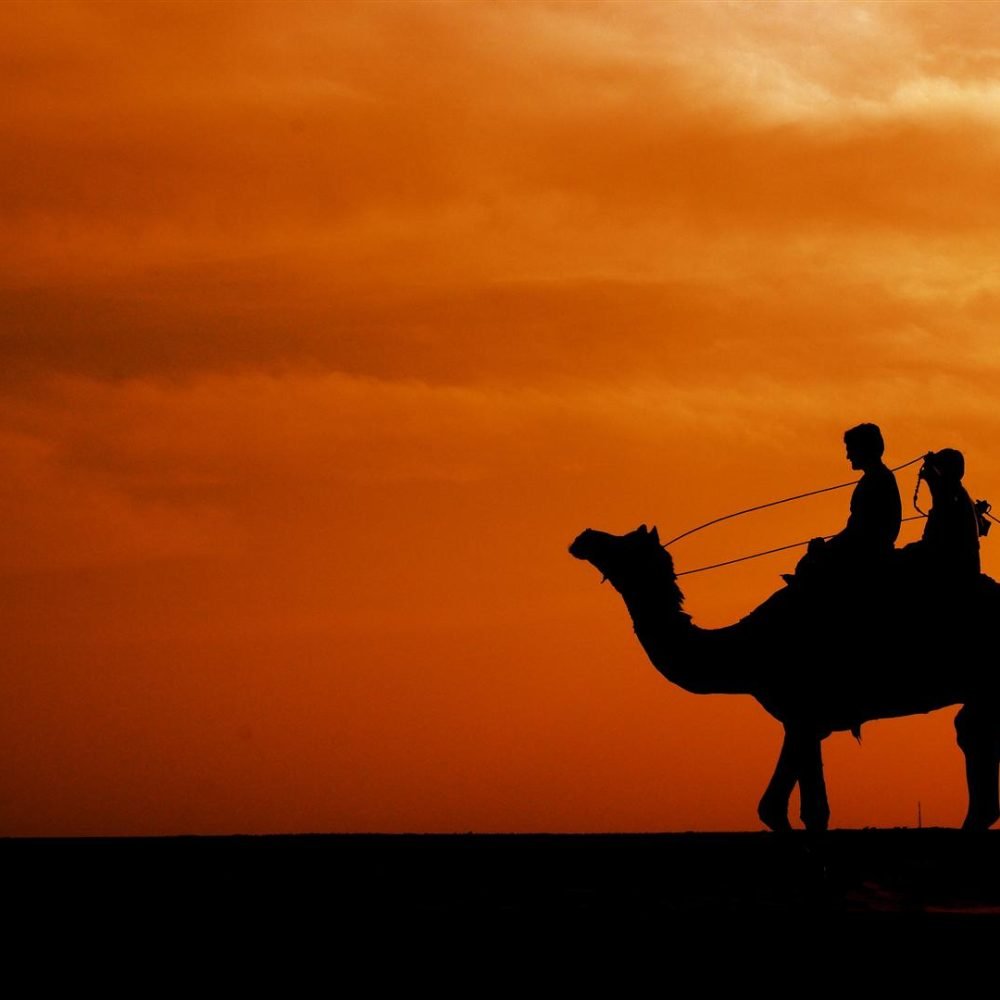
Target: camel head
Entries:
(631, 562)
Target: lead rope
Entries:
(983, 509)
(768, 552)
(775, 503)
(916, 494)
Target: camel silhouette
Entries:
(819, 669)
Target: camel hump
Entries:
(892, 597)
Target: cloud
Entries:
(230, 440)
(537, 131)
(58, 518)
(463, 194)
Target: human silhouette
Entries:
(948, 553)
(867, 540)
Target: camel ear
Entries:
(642, 528)
(656, 534)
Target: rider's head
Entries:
(946, 466)
(864, 445)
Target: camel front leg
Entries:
(773, 806)
(800, 760)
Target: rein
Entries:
(774, 503)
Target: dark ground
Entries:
(471, 911)
(844, 874)
(474, 914)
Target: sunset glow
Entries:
(326, 328)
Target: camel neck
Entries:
(702, 661)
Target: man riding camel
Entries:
(948, 552)
(876, 514)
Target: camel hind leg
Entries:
(978, 732)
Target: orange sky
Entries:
(326, 327)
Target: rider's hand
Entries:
(815, 545)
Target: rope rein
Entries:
(916, 496)
(799, 496)
(775, 503)
(781, 548)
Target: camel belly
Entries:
(842, 699)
